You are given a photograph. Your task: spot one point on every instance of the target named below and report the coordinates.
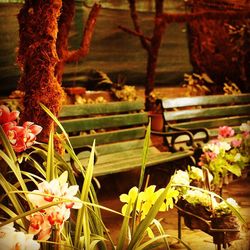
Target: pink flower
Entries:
(206, 157)
(21, 137)
(225, 131)
(39, 225)
(236, 143)
(6, 115)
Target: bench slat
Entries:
(133, 153)
(119, 146)
(207, 112)
(108, 137)
(129, 164)
(213, 123)
(104, 122)
(100, 108)
(204, 100)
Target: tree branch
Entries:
(75, 55)
(214, 15)
(132, 32)
(135, 19)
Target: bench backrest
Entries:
(108, 123)
(206, 111)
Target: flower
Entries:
(223, 207)
(197, 174)
(226, 131)
(12, 240)
(6, 115)
(181, 178)
(56, 190)
(235, 143)
(198, 197)
(21, 137)
(245, 127)
(130, 197)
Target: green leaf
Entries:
(7, 146)
(144, 155)
(140, 230)
(57, 122)
(50, 171)
(234, 168)
(80, 222)
(124, 229)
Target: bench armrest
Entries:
(194, 131)
(79, 150)
(174, 136)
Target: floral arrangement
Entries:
(227, 153)
(200, 196)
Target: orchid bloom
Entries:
(56, 190)
(6, 115)
(21, 137)
(39, 225)
(226, 131)
(12, 240)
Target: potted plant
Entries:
(205, 210)
(227, 154)
(155, 112)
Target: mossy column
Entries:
(37, 58)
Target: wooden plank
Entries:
(113, 148)
(212, 123)
(204, 100)
(119, 146)
(129, 164)
(101, 108)
(104, 122)
(207, 112)
(108, 137)
(118, 156)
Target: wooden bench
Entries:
(203, 115)
(119, 130)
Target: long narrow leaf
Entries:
(84, 196)
(50, 171)
(124, 229)
(139, 232)
(147, 244)
(7, 146)
(144, 155)
(8, 188)
(57, 122)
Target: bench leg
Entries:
(179, 225)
